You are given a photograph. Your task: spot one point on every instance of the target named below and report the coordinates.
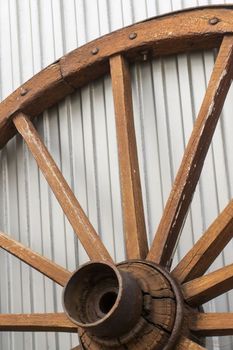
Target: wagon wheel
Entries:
(139, 303)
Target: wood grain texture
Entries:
(45, 89)
(196, 262)
(132, 204)
(172, 33)
(70, 205)
(52, 322)
(187, 344)
(211, 324)
(208, 287)
(166, 34)
(189, 172)
(48, 268)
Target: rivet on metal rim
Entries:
(214, 20)
(132, 36)
(23, 91)
(95, 51)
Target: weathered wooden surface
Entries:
(189, 172)
(211, 324)
(70, 205)
(183, 31)
(187, 344)
(208, 287)
(55, 272)
(161, 313)
(53, 322)
(43, 90)
(133, 213)
(208, 247)
(169, 34)
(159, 310)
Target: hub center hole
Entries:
(107, 301)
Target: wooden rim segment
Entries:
(200, 28)
(172, 33)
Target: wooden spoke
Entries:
(111, 299)
(205, 288)
(134, 221)
(211, 324)
(71, 207)
(187, 344)
(208, 247)
(189, 172)
(54, 322)
(55, 272)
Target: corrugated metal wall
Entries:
(80, 133)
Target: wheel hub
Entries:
(134, 305)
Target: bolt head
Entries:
(95, 51)
(23, 91)
(214, 20)
(132, 36)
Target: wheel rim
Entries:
(60, 79)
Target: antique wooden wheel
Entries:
(139, 303)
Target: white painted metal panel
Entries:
(80, 132)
